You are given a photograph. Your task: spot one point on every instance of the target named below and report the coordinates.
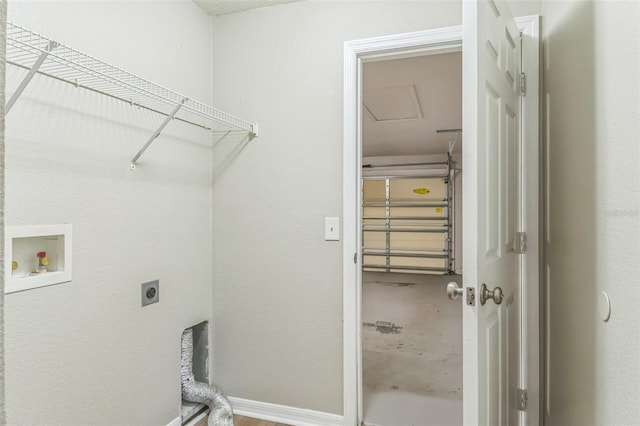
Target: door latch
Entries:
(453, 291)
(471, 296)
(520, 243)
(521, 399)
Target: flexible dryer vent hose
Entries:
(201, 393)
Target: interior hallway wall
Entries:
(277, 296)
(592, 129)
(85, 352)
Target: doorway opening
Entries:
(479, 357)
(411, 333)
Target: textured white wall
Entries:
(85, 352)
(592, 102)
(277, 293)
(3, 22)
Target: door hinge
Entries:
(523, 84)
(521, 399)
(355, 258)
(520, 243)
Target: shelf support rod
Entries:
(27, 78)
(153, 137)
(453, 137)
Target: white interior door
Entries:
(491, 200)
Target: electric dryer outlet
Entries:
(150, 292)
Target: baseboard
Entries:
(194, 421)
(178, 420)
(175, 422)
(284, 414)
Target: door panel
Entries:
(491, 156)
(512, 164)
(492, 176)
(492, 365)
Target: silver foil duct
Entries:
(202, 393)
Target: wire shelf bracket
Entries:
(453, 135)
(40, 55)
(153, 137)
(27, 78)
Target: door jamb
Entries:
(355, 52)
(404, 45)
(532, 326)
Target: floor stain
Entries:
(384, 327)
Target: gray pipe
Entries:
(202, 393)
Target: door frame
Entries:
(396, 46)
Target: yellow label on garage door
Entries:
(439, 209)
(421, 191)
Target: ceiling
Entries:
(223, 7)
(406, 100)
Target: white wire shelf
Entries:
(39, 54)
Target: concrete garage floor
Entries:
(412, 350)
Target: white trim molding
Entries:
(284, 414)
(175, 422)
(532, 327)
(194, 421)
(355, 53)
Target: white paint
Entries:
(493, 204)
(592, 238)
(284, 414)
(332, 228)
(278, 297)
(531, 221)
(3, 20)
(67, 156)
(176, 422)
(60, 269)
(194, 421)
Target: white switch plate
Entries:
(332, 228)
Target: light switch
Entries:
(332, 228)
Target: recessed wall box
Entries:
(36, 256)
